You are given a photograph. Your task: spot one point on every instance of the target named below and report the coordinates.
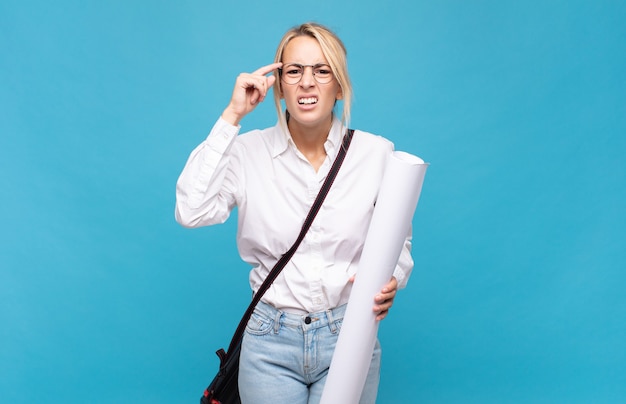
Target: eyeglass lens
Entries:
(292, 73)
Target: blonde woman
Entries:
(272, 176)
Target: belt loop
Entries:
(277, 317)
(331, 321)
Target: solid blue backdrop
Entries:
(520, 107)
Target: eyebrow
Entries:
(305, 64)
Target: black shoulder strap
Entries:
(278, 267)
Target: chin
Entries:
(311, 118)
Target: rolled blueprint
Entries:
(397, 199)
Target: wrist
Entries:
(231, 117)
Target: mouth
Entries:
(307, 100)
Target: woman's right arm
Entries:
(206, 189)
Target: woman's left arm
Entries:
(384, 300)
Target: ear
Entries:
(339, 95)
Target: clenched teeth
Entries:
(309, 100)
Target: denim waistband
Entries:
(307, 321)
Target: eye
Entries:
(293, 70)
(323, 70)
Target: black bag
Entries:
(225, 385)
(224, 389)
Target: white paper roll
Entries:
(399, 192)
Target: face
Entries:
(310, 104)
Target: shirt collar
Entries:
(283, 138)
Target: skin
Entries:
(309, 125)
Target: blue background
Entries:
(520, 107)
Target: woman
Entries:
(273, 176)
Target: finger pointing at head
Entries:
(268, 69)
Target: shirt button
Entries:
(307, 320)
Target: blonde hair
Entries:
(334, 51)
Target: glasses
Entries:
(292, 73)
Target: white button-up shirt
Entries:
(273, 186)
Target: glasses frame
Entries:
(330, 76)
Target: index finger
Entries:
(268, 69)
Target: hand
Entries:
(250, 89)
(384, 300)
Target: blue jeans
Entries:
(285, 357)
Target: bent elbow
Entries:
(192, 218)
(185, 218)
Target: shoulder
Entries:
(255, 136)
(372, 142)
(258, 139)
(369, 151)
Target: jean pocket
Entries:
(259, 324)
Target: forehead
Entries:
(304, 50)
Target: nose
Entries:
(307, 77)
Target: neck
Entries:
(310, 140)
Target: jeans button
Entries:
(307, 320)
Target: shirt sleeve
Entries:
(206, 189)
(405, 263)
